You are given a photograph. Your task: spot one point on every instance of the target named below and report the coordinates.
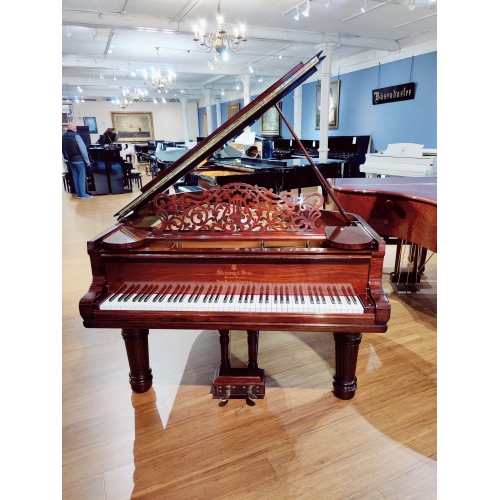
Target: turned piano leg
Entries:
(346, 357)
(225, 362)
(253, 349)
(136, 343)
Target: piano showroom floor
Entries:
(299, 442)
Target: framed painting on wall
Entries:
(131, 127)
(67, 114)
(270, 122)
(232, 109)
(91, 123)
(333, 105)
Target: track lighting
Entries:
(411, 4)
(363, 9)
(305, 12)
(94, 36)
(250, 68)
(296, 16)
(327, 4)
(67, 32)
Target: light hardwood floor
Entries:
(300, 442)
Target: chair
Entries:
(135, 176)
(66, 185)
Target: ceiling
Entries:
(110, 39)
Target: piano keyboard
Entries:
(215, 297)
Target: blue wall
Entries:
(414, 120)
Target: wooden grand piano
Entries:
(400, 208)
(237, 257)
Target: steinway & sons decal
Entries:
(394, 93)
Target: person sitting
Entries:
(252, 152)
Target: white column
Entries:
(328, 49)
(208, 101)
(297, 111)
(184, 101)
(217, 111)
(246, 79)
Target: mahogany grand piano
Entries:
(237, 257)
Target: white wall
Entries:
(168, 122)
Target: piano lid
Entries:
(235, 126)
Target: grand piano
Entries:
(401, 160)
(403, 210)
(278, 175)
(237, 257)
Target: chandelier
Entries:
(159, 82)
(220, 39)
(139, 95)
(124, 101)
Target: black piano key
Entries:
(218, 294)
(316, 294)
(267, 294)
(192, 296)
(174, 293)
(150, 293)
(261, 294)
(295, 294)
(252, 294)
(140, 293)
(345, 294)
(134, 290)
(183, 296)
(281, 294)
(212, 295)
(160, 293)
(287, 295)
(276, 294)
(207, 294)
(352, 295)
(233, 291)
(180, 293)
(127, 292)
(165, 293)
(120, 291)
(144, 293)
(322, 295)
(311, 297)
(302, 299)
(199, 293)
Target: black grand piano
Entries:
(278, 175)
(237, 257)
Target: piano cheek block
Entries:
(136, 343)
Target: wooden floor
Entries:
(300, 442)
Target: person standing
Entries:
(75, 151)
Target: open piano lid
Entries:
(235, 126)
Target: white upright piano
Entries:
(401, 160)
